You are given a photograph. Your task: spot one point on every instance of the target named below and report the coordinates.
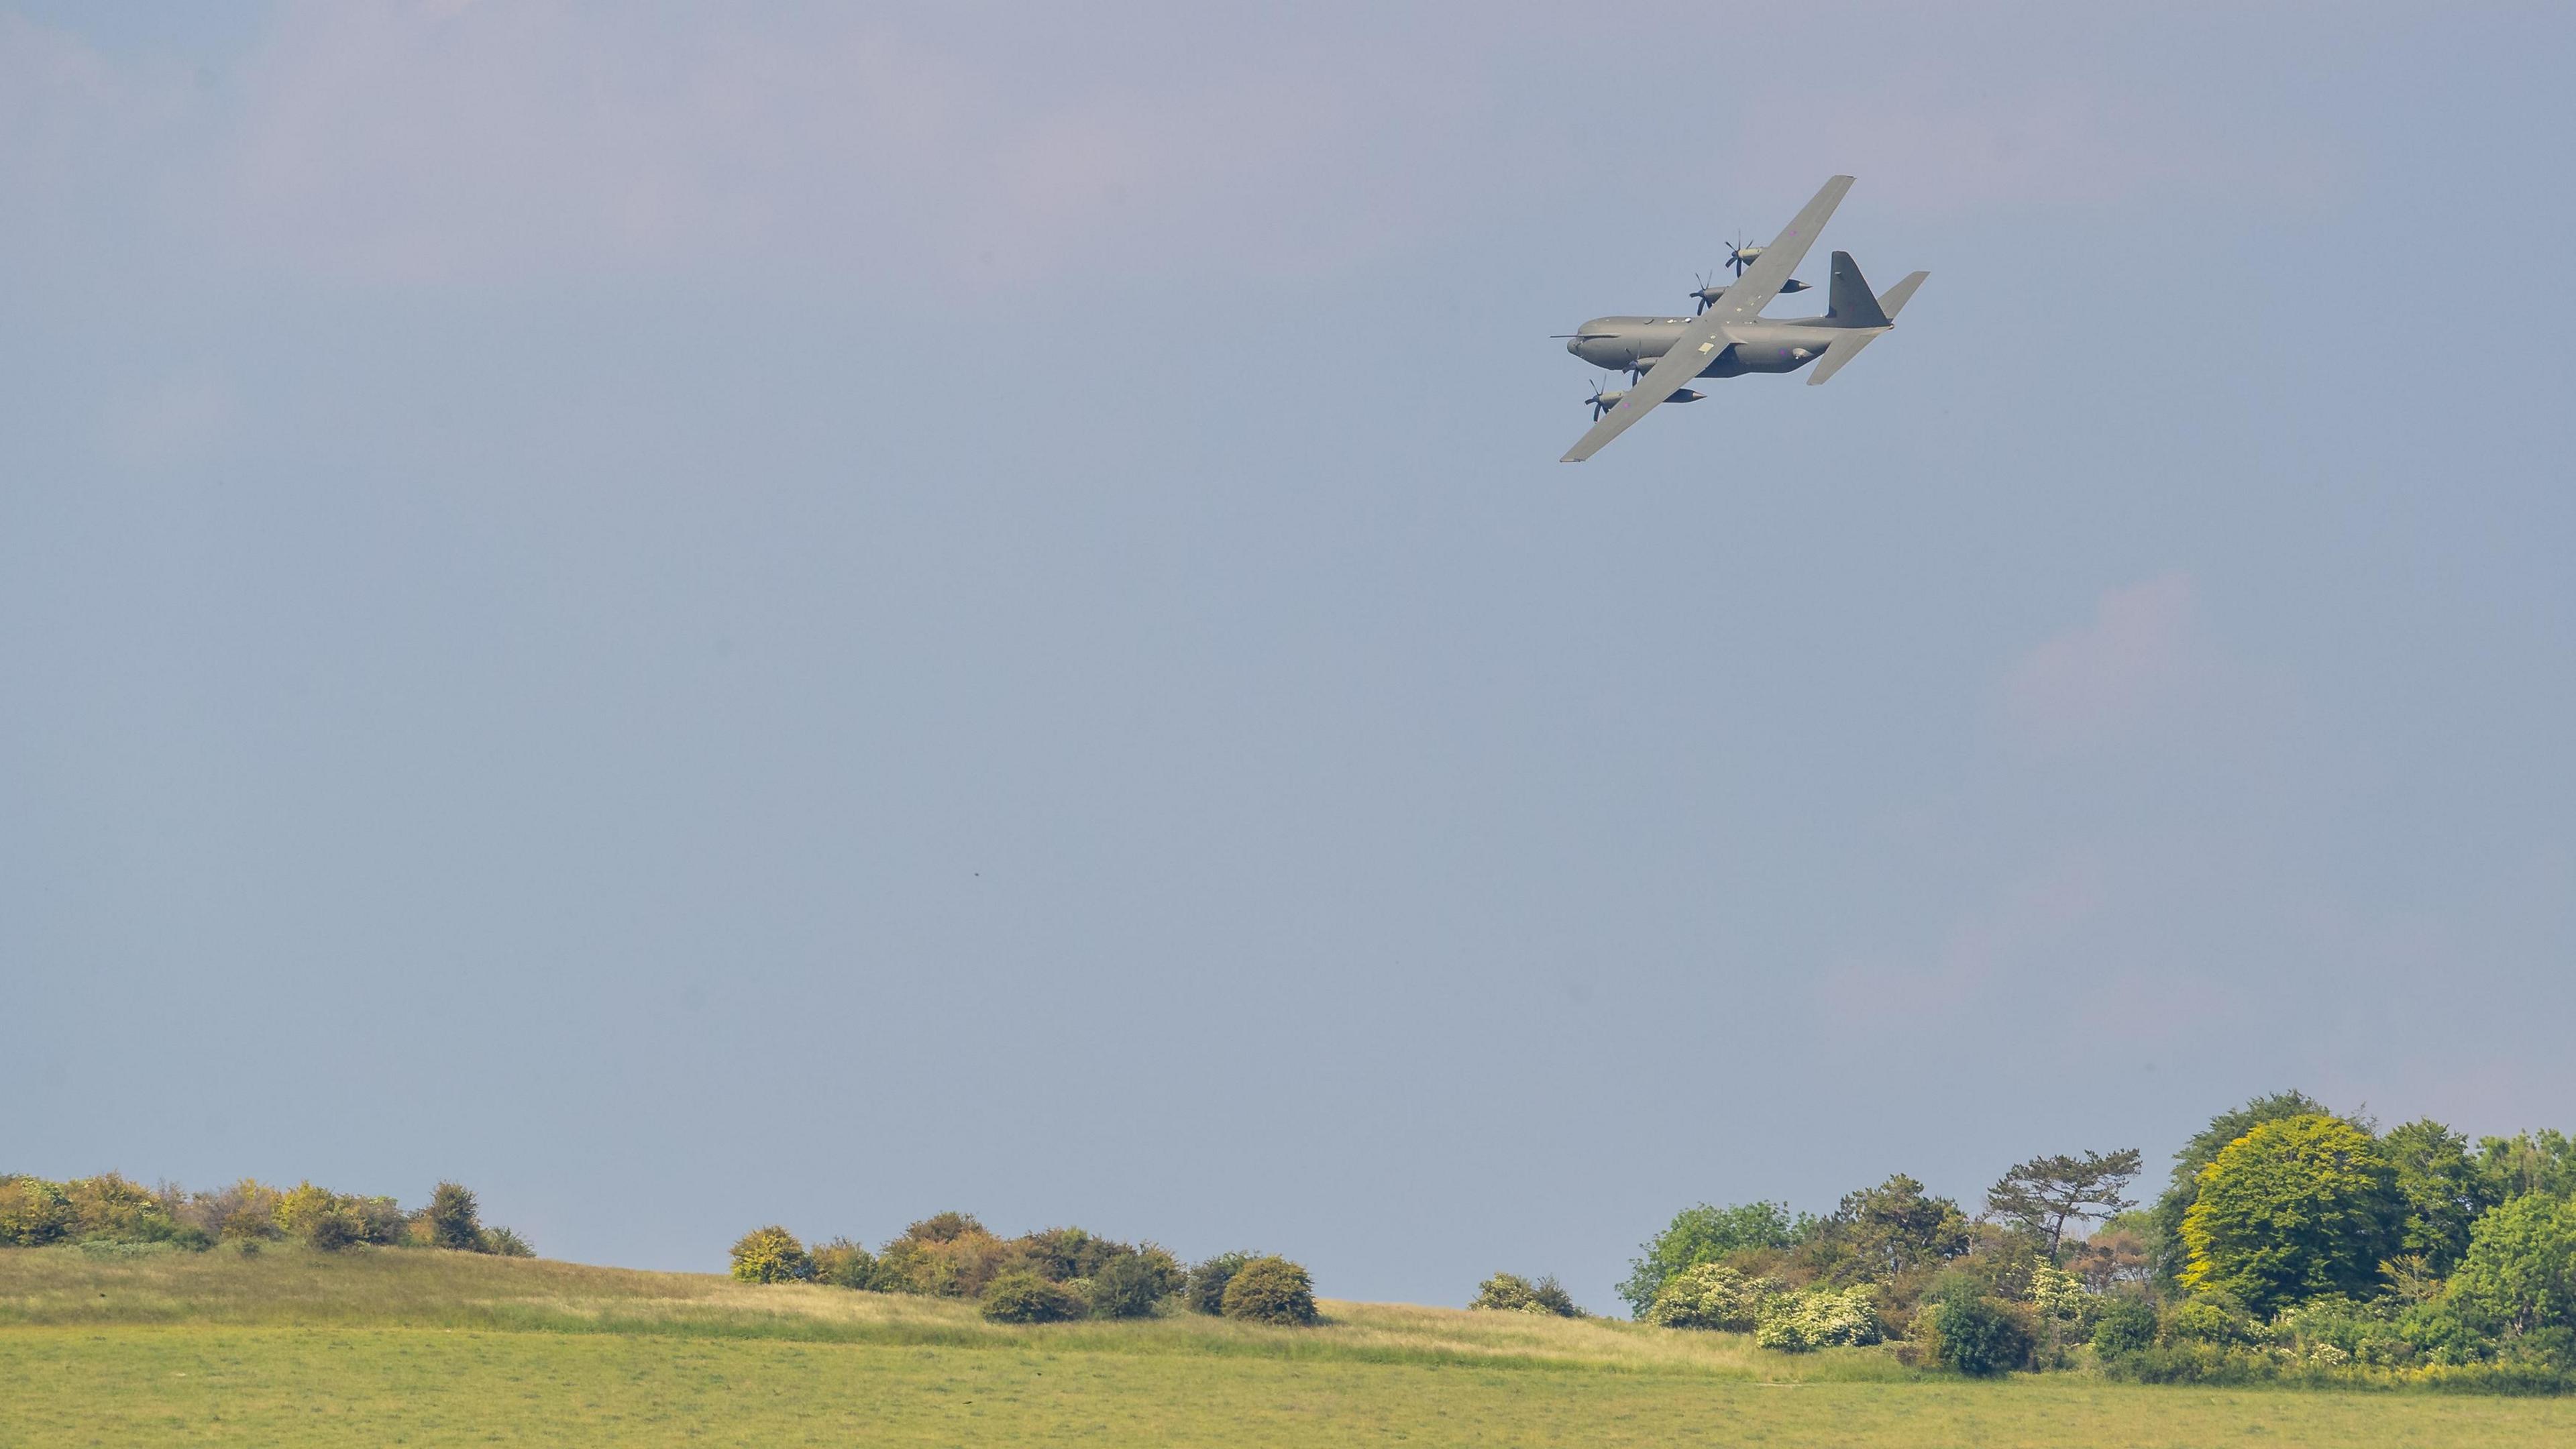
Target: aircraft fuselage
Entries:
(1631, 344)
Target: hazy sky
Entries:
(817, 613)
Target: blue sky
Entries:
(815, 615)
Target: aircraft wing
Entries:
(1743, 299)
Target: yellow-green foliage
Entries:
(109, 1206)
(302, 1350)
(2295, 1208)
(33, 1212)
(771, 1255)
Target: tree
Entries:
(844, 1264)
(33, 1212)
(2519, 1273)
(2116, 1253)
(1703, 1234)
(1271, 1290)
(453, 1219)
(1021, 1296)
(1978, 1336)
(2046, 1193)
(1896, 1227)
(2166, 1239)
(2295, 1208)
(1205, 1292)
(771, 1255)
(2444, 1188)
(1512, 1293)
(1132, 1284)
(2542, 1162)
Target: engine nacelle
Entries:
(1706, 296)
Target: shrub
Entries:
(1270, 1290)
(1979, 1336)
(380, 1219)
(244, 1214)
(1711, 1296)
(320, 1217)
(943, 1228)
(1208, 1280)
(452, 1219)
(960, 1264)
(1022, 1296)
(33, 1212)
(2215, 1321)
(771, 1255)
(2519, 1273)
(1064, 1254)
(109, 1206)
(2127, 1325)
(1512, 1293)
(503, 1243)
(1704, 1234)
(1818, 1318)
(332, 1230)
(1133, 1284)
(844, 1264)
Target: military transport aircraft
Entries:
(1729, 336)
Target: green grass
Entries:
(292, 1348)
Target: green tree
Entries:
(771, 1255)
(453, 1219)
(2046, 1193)
(1512, 1293)
(2127, 1326)
(2295, 1208)
(1134, 1283)
(1880, 1232)
(1022, 1296)
(2519, 1273)
(2164, 1239)
(1977, 1335)
(1270, 1290)
(1703, 1234)
(844, 1264)
(1205, 1292)
(2445, 1191)
(2543, 1162)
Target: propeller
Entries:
(1740, 256)
(1600, 401)
(1705, 293)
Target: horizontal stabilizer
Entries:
(1843, 350)
(1892, 301)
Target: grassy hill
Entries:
(292, 1347)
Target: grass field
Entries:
(293, 1348)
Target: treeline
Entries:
(1051, 1276)
(2289, 1242)
(110, 1211)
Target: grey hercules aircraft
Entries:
(1729, 336)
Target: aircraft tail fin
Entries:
(1852, 303)
(1892, 301)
